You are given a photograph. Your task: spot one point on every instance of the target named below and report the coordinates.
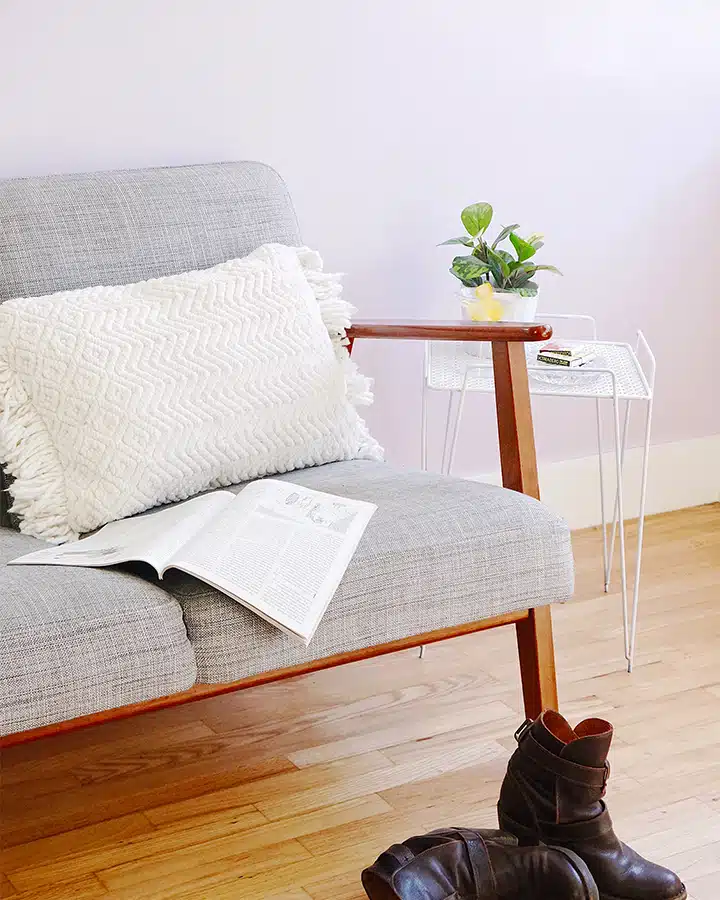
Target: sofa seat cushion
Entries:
(77, 641)
(439, 551)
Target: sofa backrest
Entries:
(61, 232)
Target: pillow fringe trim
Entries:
(337, 316)
(38, 488)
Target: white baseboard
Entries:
(680, 474)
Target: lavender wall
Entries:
(599, 125)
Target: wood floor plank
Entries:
(159, 842)
(89, 838)
(246, 832)
(428, 721)
(124, 753)
(421, 767)
(271, 788)
(295, 875)
(342, 887)
(672, 828)
(476, 782)
(360, 688)
(203, 860)
(286, 791)
(32, 791)
(699, 862)
(88, 888)
(706, 887)
(96, 803)
(358, 833)
(372, 720)
(161, 723)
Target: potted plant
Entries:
(496, 285)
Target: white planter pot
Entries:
(515, 309)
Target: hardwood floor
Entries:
(285, 792)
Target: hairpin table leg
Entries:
(640, 531)
(623, 448)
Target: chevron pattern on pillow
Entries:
(118, 399)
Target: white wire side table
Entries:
(619, 374)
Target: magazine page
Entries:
(152, 537)
(280, 549)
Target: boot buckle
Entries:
(523, 730)
(606, 778)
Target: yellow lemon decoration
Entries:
(487, 308)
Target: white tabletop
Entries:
(448, 365)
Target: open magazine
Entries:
(278, 548)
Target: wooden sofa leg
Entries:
(519, 471)
(537, 661)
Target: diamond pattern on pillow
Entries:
(117, 399)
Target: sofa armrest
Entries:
(432, 330)
(512, 392)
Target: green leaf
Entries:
(469, 270)
(499, 280)
(521, 275)
(480, 251)
(536, 239)
(476, 218)
(503, 234)
(496, 262)
(507, 257)
(466, 242)
(529, 289)
(522, 248)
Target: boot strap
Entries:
(563, 768)
(577, 832)
(402, 854)
(479, 857)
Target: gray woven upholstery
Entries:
(77, 641)
(61, 232)
(439, 551)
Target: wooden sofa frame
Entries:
(519, 473)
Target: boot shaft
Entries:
(557, 774)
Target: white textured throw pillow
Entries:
(117, 399)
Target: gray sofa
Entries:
(440, 556)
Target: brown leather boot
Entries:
(469, 864)
(552, 793)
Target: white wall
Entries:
(598, 124)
